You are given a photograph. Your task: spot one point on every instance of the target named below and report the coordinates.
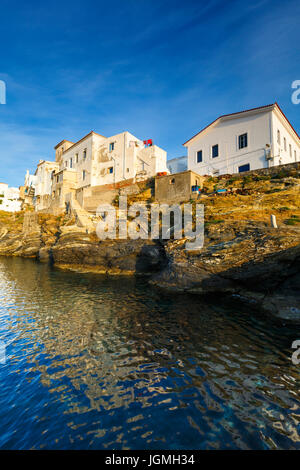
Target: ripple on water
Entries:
(93, 362)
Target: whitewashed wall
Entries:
(288, 140)
(10, 201)
(126, 159)
(259, 130)
(43, 181)
(177, 165)
(69, 160)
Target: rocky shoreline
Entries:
(243, 257)
(248, 261)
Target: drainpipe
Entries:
(114, 169)
(124, 155)
(271, 140)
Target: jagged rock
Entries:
(260, 265)
(112, 256)
(44, 254)
(247, 260)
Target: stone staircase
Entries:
(82, 217)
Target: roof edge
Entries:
(233, 114)
(83, 138)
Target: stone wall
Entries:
(176, 188)
(274, 170)
(30, 224)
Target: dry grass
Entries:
(284, 205)
(12, 221)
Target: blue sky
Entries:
(161, 69)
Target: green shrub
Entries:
(247, 179)
(261, 177)
(294, 220)
(214, 221)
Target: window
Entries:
(278, 136)
(245, 167)
(243, 141)
(295, 155)
(111, 146)
(71, 163)
(199, 156)
(127, 170)
(84, 154)
(284, 144)
(290, 149)
(83, 175)
(66, 164)
(215, 151)
(110, 169)
(76, 157)
(172, 181)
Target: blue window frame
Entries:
(199, 156)
(245, 167)
(111, 169)
(111, 146)
(215, 151)
(243, 141)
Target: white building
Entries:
(177, 165)
(27, 190)
(9, 198)
(96, 164)
(100, 160)
(43, 183)
(30, 180)
(3, 189)
(247, 140)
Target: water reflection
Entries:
(111, 363)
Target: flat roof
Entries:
(179, 173)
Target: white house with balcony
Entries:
(96, 161)
(247, 140)
(102, 160)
